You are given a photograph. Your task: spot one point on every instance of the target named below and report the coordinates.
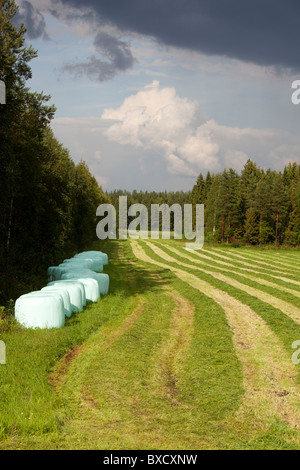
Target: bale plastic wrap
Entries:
(80, 262)
(40, 310)
(92, 290)
(60, 270)
(74, 289)
(96, 265)
(50, 272)
(101, 278)
(56, 273)
(93, 254)
(65, 295)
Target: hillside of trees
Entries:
(47, 203)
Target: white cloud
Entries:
(152, 115)
(176, 166)
(200, 148)
(167, 142)
(235, 159)
(157, 118)
(283, 154)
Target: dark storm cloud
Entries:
(117, 53)
(265, 32)
(32, 19)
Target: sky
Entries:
(150, 94)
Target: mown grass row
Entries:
(274, 258)
(241, 276)
(123, 381)
(130, 386)
(286, 329)
(218, 265)
(283, 327)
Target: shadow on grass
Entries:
(129, 277)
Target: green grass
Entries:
(285, 328)
(116, 392)
(240, 276)
(27, 402)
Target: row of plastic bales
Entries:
(71, 285)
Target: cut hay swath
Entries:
(270, 378)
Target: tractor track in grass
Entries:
(110, 334)
(270, 378)
(174, 349)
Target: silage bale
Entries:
(96, 264)
(40, 310)
(56, 273)
(76, 292)
(65, 295)
(101, 278)
(86, 263)
(93, 254)
(92, 290)
(50, 271)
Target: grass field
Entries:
(190, 350)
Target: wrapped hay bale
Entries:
(76, 292)
(65, 295)
(101, 278)
(94, 255)
(40, 310)
(85, 263)
(92, 290)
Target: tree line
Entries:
(256, 206)
(47, 202)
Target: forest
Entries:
(48, 203)
(257, 207)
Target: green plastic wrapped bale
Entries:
(92, 290)
(89, 263)
(59, 271)
(80, 263)
(76, 292)
(40, 310)
(50, 272)
(101, 278)
(63, 291)
(96, 265)
(56, 273)
(94, 254)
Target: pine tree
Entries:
(251, 227)
(279, 205)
